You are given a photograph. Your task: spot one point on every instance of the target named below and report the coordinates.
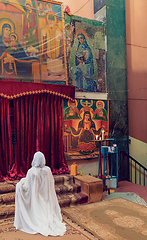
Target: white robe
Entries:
(36, 205)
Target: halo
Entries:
(81, 31)
(49, 4)
(51, 13)
(29, 2)
(8, 21)
(70, 101)
(14, 34)
(103, 104)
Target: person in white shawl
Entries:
(36, 205)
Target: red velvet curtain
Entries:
(38, 127)
(6, 150)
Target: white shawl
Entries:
(36, 205)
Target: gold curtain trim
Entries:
(35, 92)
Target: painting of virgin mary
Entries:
(12, 55)
(83, 70)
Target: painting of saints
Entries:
(86, 127)
(51, 38)
(41, 11)
(84, 121)
(13, 56)
(83, 70)
(86, 133)
(13, 45)
(30, 33)
(72, 112)
(101, 115)
(48, 7)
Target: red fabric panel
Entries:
(38, 127)
(6, 151)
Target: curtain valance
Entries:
(11, 90)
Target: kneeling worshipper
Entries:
(36, 205)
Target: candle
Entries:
(103, 134)
(73, 169)
(96, 137)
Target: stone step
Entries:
(67, 188)
(7, 186)
(63, 179)
(68, 200)
(7, 211)
(68, 194)
(7, 198)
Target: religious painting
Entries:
(84, 121)
(50, 25)
(31, 41)
(85, 51)
(15, 62)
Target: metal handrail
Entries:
(126, 169)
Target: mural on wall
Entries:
(31, 41)
(83, 121)
(85, 50)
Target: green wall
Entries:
(116, 71)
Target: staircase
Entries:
(67, 191)
(132, 170)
